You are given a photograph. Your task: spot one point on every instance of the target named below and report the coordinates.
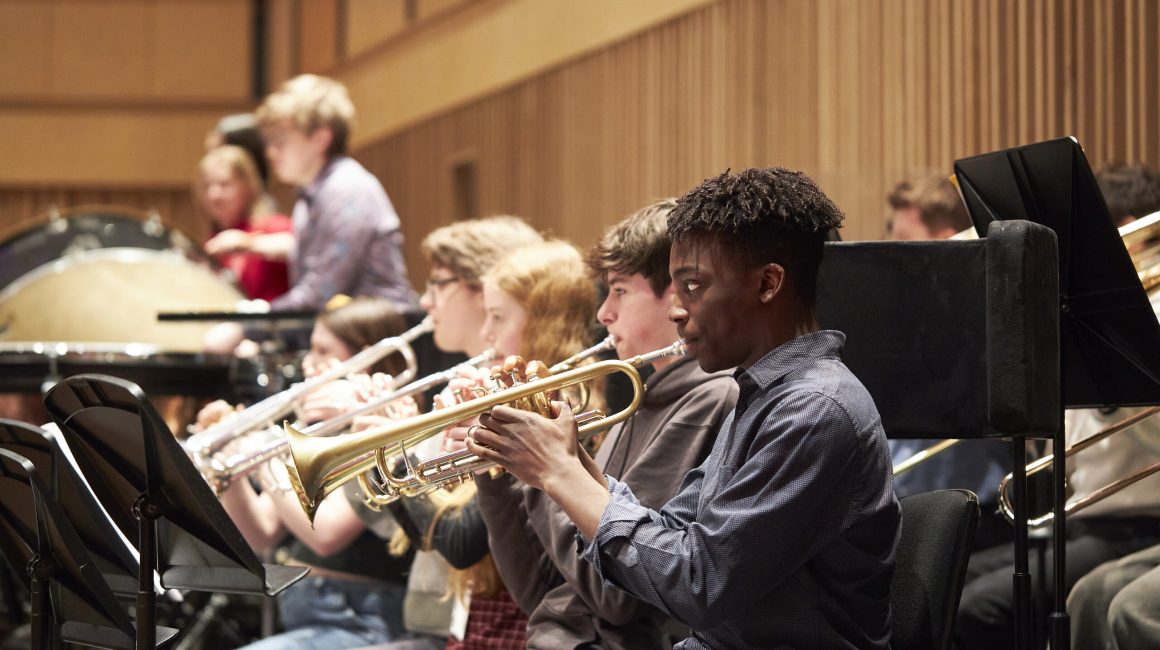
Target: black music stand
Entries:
(112, 554)
(953, 339)
(65, 584)
(1110, 337)
(154, 493)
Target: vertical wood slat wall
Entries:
(857, 93)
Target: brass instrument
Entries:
(1008, 509)
(1147, 265)
(257, 416)
(321, 465)
(458, 466)
(221, 472)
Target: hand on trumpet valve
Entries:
(527, 444)
(400, 409)
(330, 400)
(469, 384)
(214, 412)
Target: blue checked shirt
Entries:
(785, 536)
(347, 241)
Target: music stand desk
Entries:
(154, 494)
(61, 576)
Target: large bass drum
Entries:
(80, 292)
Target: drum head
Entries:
(101, 274)
(114, 295)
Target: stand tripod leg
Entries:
(1060, 623)
(146, 598)
(1021, 580)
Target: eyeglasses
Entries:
(435, 283)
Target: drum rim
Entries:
(116, 254)
(76, 349)
(42, 219)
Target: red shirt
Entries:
(259, 277)
(493, 624)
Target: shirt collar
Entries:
(787, 357)
(310, 191)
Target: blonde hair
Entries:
(242, 167)
(469, 248)
(552, 283)
(310, 102)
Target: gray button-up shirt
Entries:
(785, 536)
(348, 241)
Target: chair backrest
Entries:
(931, 563)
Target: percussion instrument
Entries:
(80, 291)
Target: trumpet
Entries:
(1008, 509)
(458, 466)
(220, 473)
(320, 465)
(268, 410)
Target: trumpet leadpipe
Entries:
(279, 404)
(320, 465)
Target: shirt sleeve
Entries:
(523, 563)
(459, 534)
(334, 249)
(659, 471)
(702, 563)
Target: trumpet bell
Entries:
(321, 465)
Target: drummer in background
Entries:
(348, 237)
(354, 593)
(249, 239)
(241, 129)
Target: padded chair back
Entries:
(931, 563)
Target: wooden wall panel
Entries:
(370, 22)
(857, 93)
(216, 36)
(319, 36)
(429, 8)
(101, 49)
(25, 66)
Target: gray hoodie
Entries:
(533, 541)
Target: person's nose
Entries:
(677, 312)
(606, 314)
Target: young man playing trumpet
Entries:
(532, 539)
(785, 536)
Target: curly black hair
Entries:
(763, 215)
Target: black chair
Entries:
(931, 563)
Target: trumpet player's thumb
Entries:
(561, 410)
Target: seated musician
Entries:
(249, 239)
(539, 302)
(353, 595)
(532, 540)
(785, 536)
(927, 208)
(459, 254)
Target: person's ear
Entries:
(322, 137)
(772, 281)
